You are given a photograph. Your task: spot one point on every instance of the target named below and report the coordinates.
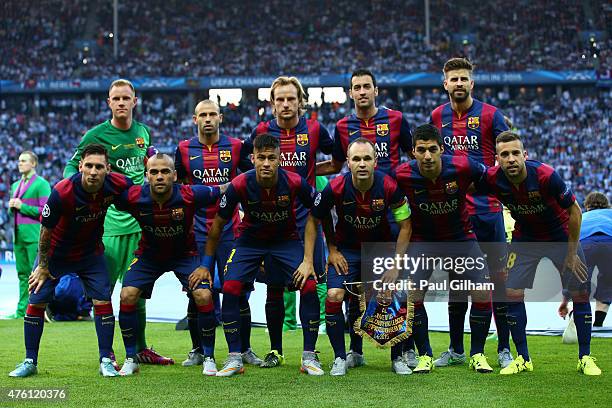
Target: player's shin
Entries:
(206, 328)
(353, 314)
(335, 327)
(128, 322)
(275, 315)
(231, 314)
(105, 328)
(245, 323)
(517, 321)
(456, 322)
(583, 319)
(480, 321)
(192, 324)
(309, 314)
(33, 324)
(420, 329)
(141, 307)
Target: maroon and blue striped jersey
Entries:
(439, 211)
(298, 145)
(197, 164)
(473, 135)
(361, 217)
(76, 217)
(269, 214)
(388, 130)
(167, 229)
(538, 205)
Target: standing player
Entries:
(268, 231)
(211, 159)
(71, 242)
(469, 128)
(389, 131)
(300, 139)
(28, 196)
(126, 141)
(362, 198)
(165, 211)
(436, 185)
(545, 210)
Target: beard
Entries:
(460, 99)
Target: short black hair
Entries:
(94, 148)
(362, 72)
(458, 63)
(427, 132)
(266, 141)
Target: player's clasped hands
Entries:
(200, 274)
(577, 267)
(337, 260)
(38, 278)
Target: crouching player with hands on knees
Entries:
(165, 211)
(436, 186)
(362, 198)
(268, 231)
(545, 210)
(71, 242)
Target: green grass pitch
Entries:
(68, 359)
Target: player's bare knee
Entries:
(335, 295)
(129, 295)
(515, 295)
(202, 296)
(97, 302)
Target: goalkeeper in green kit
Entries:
(128, 143)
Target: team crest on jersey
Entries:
(378, 204)
(282, 201)
(302, 139)
(225, 156)
(382, 129)
(473, 122)
(140, 142)
(451, 187)
(177, 214)
(534, 195)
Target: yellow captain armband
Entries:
(401, 213)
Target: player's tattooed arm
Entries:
(41, 273)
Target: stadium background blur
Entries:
(547, 65)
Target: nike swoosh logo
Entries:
(353, 132)
(446, 124)
(107, 317)
(252, 202)
(348, 202)
(115, 147)
(81, 207)
(194, 157)
(420, 191)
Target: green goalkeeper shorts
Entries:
(119, 253)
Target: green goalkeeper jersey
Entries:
(126, 152)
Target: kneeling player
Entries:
(71, 242)
(362, 199)
(268, 231)
(545, 210)
(165, 213)
(436, 187)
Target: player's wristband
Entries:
(401, 213)
(207, 262)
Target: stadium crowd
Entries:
(193, 39)
(568, 131)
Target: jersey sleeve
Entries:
(326, 143)
(52, 210)
(323, 203)
(245, 164)
(338, 152)
(405, 139)
(205, 196)
(181, 172)
(398, 197)
(72, 167)
(478, 171)
(122, 201)
(499, 124)
(560, 190)
(306, 193)
(228, 203)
